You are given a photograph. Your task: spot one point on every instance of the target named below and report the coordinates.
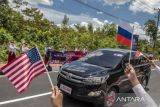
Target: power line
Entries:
(106, 13)
(149, 7)
(142, 6)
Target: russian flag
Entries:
(124, 34)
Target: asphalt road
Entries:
(38, 94)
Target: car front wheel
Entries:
(110, 98)
(144, 82)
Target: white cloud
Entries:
(97, 21)
(37, 2)
(117, 2)
(84, 24)
(116, 7)
(58, 16)
(138, 29)
(62, 0)
(144, 6)
(99, 13)
(54, 15)
(106, 21)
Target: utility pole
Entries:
(156, 35)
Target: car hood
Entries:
(84, 69)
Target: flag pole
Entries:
(131, 46)
(49, 77)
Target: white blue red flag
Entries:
(23, 69)
(125, 33)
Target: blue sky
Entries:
(136, 11)
(133, 10)
(72, 7)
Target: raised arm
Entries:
(57, 97)
(138, 89)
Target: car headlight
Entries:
(96, 80)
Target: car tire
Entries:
(110, 98)
(144, 82)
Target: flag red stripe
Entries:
(121, 39)
(29, 79)
(21, 71)
(26, 70)
(10, 67)
(28, 75)
(25, 78)
(14, 60)
(18, 69)
(30, 82)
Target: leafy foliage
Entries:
(31, 26)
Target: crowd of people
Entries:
(12, 50)
(24, 48)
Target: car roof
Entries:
(125, 51)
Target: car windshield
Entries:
(103, 58)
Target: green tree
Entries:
(65, 21)
(90, 27)
(3, 1)
(80, 28)
(150, 29)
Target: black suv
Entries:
(101, 73)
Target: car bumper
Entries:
(83, 92)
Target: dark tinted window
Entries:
(143, 60)
(104, 58)
(133, 60)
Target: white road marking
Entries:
(52, 72)
(25, 98)
(1, 76)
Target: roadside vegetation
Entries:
(30, 25)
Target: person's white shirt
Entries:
(142, 94)
(12, 48)
(64, 50)
(46, 49)
(85, 50)
(25, 49)
(76, 49)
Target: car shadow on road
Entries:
(71, 102)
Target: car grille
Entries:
(72, 77)
(78, 88)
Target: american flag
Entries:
(23, 69)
